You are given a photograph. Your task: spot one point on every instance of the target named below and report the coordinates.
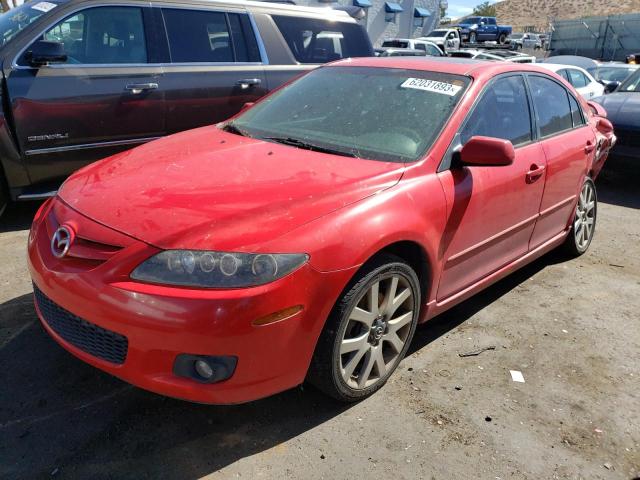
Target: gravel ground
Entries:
(571, 328)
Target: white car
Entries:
(485, 55)
(446, 39)
(414, 44)
(582, 81)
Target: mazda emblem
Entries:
(61, 241)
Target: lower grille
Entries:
(92, 339)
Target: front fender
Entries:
(413, 210)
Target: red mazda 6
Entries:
(308, 236)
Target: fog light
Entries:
(204, 369)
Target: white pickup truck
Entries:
(445, 38)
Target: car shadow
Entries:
(18, 216)
(619, 186)
(61, 416)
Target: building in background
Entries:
(391, 19)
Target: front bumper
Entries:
(160, 323)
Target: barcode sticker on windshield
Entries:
(44, 6)
(431, 86)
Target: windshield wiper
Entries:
(294, 142)
(232, 128)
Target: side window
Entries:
(421, 46)
(435, 51)
(244, 38)
(502, 112)
(102, 35)
(577, 78)
(563, 73)
(319, 41)
(198, 36)
(491, 21)
(576, 112)
(551, 104)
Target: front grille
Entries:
(92, 339)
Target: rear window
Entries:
(321, 41)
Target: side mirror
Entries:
(597, 109)
(487, 152)
(43, 52)
(604, 126)
(611, 86)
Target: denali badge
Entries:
(61, 241)
(50, 136)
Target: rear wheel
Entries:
(502, 39)
(368, 331)
(584, 220)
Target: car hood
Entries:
(623, 108)
(207, 189)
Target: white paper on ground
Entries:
(517, 376)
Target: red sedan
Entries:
(309, 235)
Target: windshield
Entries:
(631, 84)
(395, 44)
(517, 36)
(614, 74)
(374, 113)
(438, 33)
(21, 17)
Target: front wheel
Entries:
(368, 331)
(584, 220)
(473, 37)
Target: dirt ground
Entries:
(571, 327)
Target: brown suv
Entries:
(83, 79)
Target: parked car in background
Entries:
(446, 38)
(525, 40)
(585, 63)
(612, 74)
(308, 236)
(498, 55)
(400, 52)
(581, 80)
(414, 44)
(623, 110)
(85, 79)
(481, 29)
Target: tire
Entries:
(502, 39)
(583, 225)
(473, 37)
(361, 345)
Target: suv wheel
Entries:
(584, 220)
(368, 331)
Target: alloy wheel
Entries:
(378, 328)
(584, 222)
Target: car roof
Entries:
(554, 67)
(286, 8)
(457, 66)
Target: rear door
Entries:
(492, 210)
(568, 143)
(214, 66)
(103, 99)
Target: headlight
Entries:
(197, 268)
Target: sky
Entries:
(460, 8)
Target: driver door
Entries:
(492, 210)
(103, 99)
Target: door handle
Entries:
(534, 173)
(138, 88)
(248, 82)
(589, 147)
